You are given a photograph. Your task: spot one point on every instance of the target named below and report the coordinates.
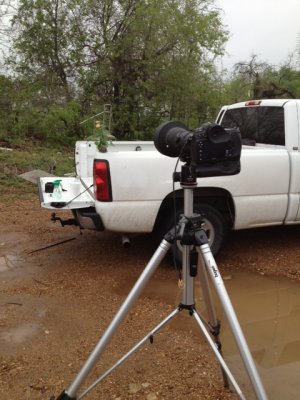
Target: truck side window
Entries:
(259, 124)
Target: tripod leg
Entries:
(218, 355)
(149, 336)
(233, 321)
(214, 323)
(123, 311)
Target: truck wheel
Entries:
(213, 224)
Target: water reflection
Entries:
(269, 312)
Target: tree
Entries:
(149, 59)
(158, 54)
(260, 80)
(251, 71)
(42, 45)
(6, 11)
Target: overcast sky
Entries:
(268, 28)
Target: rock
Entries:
(134, 388)
(151, 396)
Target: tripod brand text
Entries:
(215, 271)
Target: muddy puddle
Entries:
(269, 312)
(14, 267)
(19, 334)
(14, 260)
(9, 261)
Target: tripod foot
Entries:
(63, 396)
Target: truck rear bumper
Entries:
(87, 218)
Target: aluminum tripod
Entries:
(192, 236)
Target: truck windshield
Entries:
(257, 124)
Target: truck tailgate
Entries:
(76, 193)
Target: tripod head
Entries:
(187, 176)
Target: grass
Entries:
(26, 157)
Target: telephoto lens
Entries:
(171, 137)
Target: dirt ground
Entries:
(56, 302)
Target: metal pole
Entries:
(188, 297)
(218, 355)
(215, 325)
(233, 322)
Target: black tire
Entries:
(214, 226)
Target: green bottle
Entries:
(57, 193)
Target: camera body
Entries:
(210, 149)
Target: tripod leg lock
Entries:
(200, 237)
(215, 330)
(170, 236)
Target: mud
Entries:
(55, 304)
(268, 310)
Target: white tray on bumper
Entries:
(75, 193)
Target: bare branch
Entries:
(7, 11)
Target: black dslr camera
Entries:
(210, 149)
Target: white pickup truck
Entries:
(129, 188)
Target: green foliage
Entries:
(27, 157)
(58, 125)
(151, 60)
(62, 123)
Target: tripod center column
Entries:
(188, 297)
(188, 201)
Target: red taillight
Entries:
(253, 103)
(102, 185)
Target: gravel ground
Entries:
(56, 302)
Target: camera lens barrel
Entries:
(170, 138)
